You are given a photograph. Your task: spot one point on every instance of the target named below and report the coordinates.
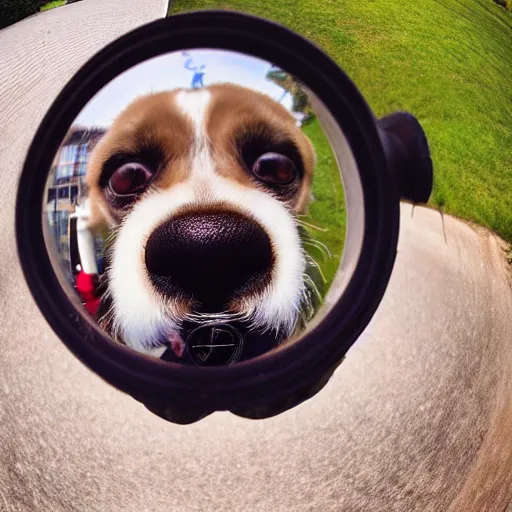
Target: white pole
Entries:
(85, 239)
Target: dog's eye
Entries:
(275, 169)
(129, 179)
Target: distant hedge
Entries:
(507, 4)
(12, 11)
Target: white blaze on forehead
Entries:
(194, 104)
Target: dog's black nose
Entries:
(209, 257)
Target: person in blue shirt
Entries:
(197, 77)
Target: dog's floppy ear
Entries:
(100, 219)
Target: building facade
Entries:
(66, 186)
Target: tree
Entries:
(300, 100)
(12, 11)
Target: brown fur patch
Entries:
(157, 119)
(234, 108)
(152, 119)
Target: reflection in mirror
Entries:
(197, 208)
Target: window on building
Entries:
(59, 222)
(83, 157)
(64, 193)
(100, 255)
(66, 163)
(68, 154)
(74, 193)
(63, 228)
(51, 195)
(63, 174)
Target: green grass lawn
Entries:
(449, 62)
(327, 210)
(51, 5)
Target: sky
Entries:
(168, 72)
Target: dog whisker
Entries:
(323, 247)
(324, 251)
(110, 239)
(309, 240)
(210, 317)
(311, 262)
(305, 225)
(311, 301)
(312, 287)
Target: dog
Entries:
(198, 195)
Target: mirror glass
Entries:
(196, 207)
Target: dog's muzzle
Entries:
(209, 258)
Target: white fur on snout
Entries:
(278, 306)
(142, 316)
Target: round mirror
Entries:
(208, 215)
(196, 207)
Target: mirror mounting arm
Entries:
(408, 155)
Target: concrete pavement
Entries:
(418, 417)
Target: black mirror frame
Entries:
(269, 384)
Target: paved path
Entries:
(418, 418)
